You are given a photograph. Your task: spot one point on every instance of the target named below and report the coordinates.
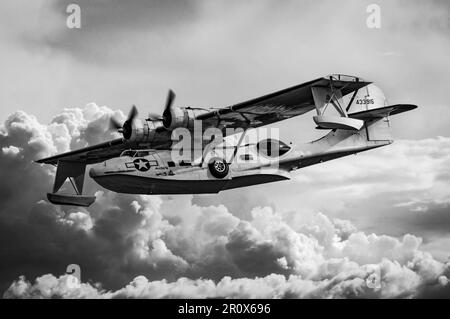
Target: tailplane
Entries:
(376, 121)
(381, 112)
(369, 104)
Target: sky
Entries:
(317, 236)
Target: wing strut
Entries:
(329, 95)
(241, 138)
(235, 149)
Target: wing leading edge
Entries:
(91, 154)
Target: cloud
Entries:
(351, 281)
(396, 189)
(178, 246)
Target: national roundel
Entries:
(141, 164)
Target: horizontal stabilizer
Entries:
(382, 111)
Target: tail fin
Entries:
(369, 103)
(367, 111)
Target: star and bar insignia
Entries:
(141, 164)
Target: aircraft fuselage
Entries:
(155, 172)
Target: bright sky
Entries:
(215, 53)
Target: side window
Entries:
(171, 164)
(272, 148)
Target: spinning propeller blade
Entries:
(169, 100)
(114, 124)
(132, 114)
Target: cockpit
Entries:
(135, 153)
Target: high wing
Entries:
(91, 154)
(254, 113)
(99, 152)
(279, 105)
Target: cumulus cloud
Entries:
(393, 190)
(176, 246)
(342, 279)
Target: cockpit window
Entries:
(128, 153)
(132, 153)
(142, 153)
(272, 147)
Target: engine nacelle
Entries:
(177, 117)
(140, 130)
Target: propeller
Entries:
(133, 113)
(114, 124)
(167, 114)
(170, 99)
(126, 127)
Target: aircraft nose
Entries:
(95, 171)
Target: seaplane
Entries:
(353, 113)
